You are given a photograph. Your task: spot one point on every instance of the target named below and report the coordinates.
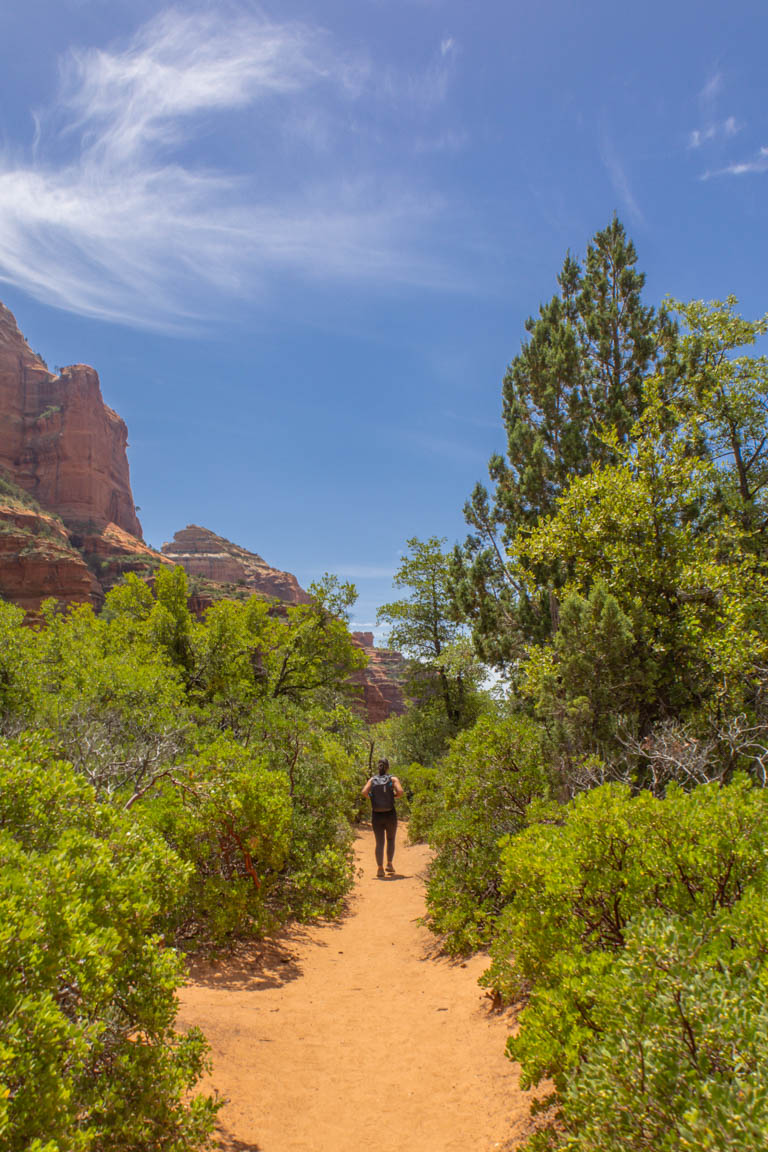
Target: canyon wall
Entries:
(68, 523)
(58, 439)
(381, 681)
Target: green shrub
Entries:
(486, 782)
(681, 1058)
(635, 928)
(229, 818)
(89, 1056)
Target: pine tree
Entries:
(579, 372)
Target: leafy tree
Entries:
(663, 538)
(170, 620)
(580, 371)
(423, 626)
(721, 400)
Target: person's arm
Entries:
(367, 788)
(399, 790)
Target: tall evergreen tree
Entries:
(579, 372)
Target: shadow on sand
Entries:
(254, 965)
(228, 1143)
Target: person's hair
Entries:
(383, 767)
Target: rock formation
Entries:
(38, 561)
(381, 680)
(58, 439)
(68, 524)
(211, 558)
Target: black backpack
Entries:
(382, 794)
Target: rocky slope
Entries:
(68, 524)
(212, 559)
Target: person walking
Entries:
(384, 789)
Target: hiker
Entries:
(383, 790)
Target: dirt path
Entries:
(353, 1035)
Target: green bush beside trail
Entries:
(636, 934)
(165, 782)
(89, 1057)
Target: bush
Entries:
(636, 935)
(486, 782)
(681, 1060)
(89, 1056)
(228, 816)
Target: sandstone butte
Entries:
(68, 523)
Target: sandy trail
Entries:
(353, 1035)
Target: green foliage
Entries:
(230, 735)
(18, 677)
(485, 783)
(663, 537)
(89, 1056)
(422, 623)
(580, 371)
(623, 910)
(682, 1058)
(229, 816)
(443, 676)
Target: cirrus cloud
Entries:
(115, 212)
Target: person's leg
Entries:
(391, 833)
(379, 831)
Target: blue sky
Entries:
(300, 241)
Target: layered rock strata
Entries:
(381, 680)
(211, 558)
(68, 523)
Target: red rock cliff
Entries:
(202, 553)
(381, 680)
(58, 439)
(68, 524)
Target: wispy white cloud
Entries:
(720, 130)
(757, 163)
(112, 218)
(620, 180)
(714, 128)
